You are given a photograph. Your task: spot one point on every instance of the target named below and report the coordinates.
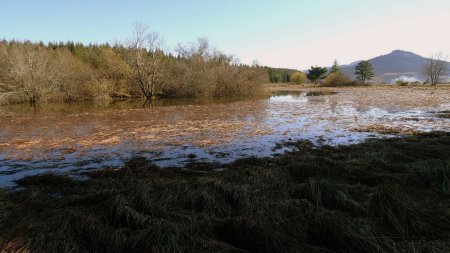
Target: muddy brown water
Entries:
(72, 138)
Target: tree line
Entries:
(316, 74)
(139, 67)
(435, 70)
(334, 76)
(277, 75)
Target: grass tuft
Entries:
(389, 195)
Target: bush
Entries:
(298, 77)
(337, 79)
(401, 82)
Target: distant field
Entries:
(382, 96)
(294, 87)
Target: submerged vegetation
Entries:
(389, 195)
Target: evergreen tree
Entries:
(364, 71)
(278, 76)
(335, 67)
(286, 77)
(315, 74)
(71, 46)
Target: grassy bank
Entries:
(379, 196)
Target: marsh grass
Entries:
(387, 195)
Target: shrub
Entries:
(337, 79)
(401, 82)
(298, 77)
(68, 72)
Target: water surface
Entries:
(85, 136)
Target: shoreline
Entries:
(267, 89)
(297, 87)
(382, 195)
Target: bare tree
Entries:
(208, 72)
(436, 68)
(193, 75)
(28, 71)
(200, 49)
(146, 57)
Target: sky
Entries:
(278, 33)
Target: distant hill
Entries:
(394, 66)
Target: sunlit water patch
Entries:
(85, 136)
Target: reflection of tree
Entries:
(361, 106)
(333, 104)
(149, 104)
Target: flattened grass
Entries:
(387, 195)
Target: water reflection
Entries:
(289, 96)
(84, 136)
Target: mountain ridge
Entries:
(398, 64)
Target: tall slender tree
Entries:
(146, 56)
(335, 67)
(364, 71)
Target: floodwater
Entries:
(79, 137)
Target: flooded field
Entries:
(86, 136)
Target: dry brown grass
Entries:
(381, 96)
(380, 196)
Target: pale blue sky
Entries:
(283, 33)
